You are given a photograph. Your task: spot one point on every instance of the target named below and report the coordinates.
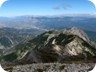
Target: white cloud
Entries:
(64, 6)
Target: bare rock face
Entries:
(53, 67)
(78, 32)
(55, 46)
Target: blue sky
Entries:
(46, 7)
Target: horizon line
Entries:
(57, 15)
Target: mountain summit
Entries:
(53, 46)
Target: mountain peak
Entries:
(80, 33)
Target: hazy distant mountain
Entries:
(87, 22)
(53, 46)
(10, 37)
(92, 35)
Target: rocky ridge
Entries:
(54, 46)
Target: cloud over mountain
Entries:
(64, 6)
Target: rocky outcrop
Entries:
(53, 67)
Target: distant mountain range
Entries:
(86, 22)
